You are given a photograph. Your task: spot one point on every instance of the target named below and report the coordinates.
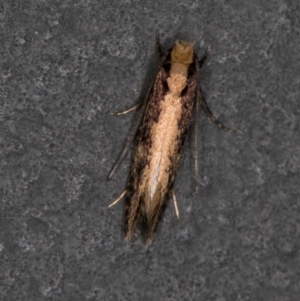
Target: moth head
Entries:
(182, 52)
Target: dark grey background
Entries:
(64, 65)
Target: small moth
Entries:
(160, 131)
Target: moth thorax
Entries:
(182, 52)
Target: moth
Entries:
(160, 131)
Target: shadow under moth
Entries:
(160, 131)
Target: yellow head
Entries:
(182, 52)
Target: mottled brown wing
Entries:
(187, 101)
(134, 199)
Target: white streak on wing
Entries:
(155, 176)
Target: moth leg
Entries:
(129, 139)
(131, 135)
(210, 114)
(135, 107)
(133, 131)
(175, 203)
(203, 59)
(118, 199)
(158, 45)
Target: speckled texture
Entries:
(63, 66)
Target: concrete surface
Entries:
(64, 65)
